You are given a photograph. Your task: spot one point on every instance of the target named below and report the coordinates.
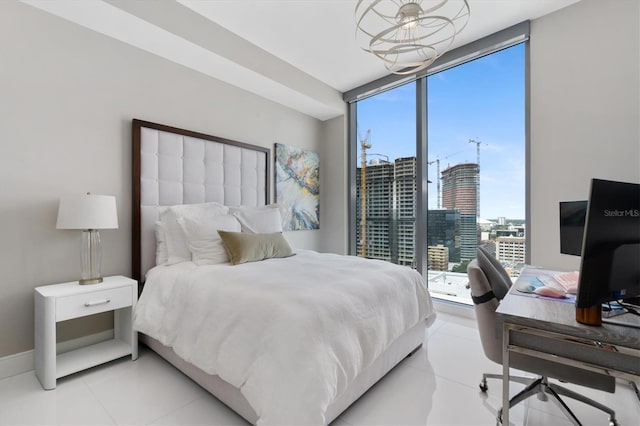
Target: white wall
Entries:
(585, 97)
(67, 97)
(333, 173)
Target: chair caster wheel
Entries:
(483, 386)
(613, 422)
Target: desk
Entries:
(610, 349)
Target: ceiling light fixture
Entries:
(409, 35)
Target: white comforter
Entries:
(290, 333)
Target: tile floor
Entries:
(437, 386)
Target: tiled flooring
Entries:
(437, 386)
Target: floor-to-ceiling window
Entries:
(475, 165)
(476, 134)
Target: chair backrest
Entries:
(498, 278)
(485, 303)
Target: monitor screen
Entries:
(572, 217)
(610, 264)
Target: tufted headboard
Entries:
(175, 166)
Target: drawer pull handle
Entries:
(97, 302)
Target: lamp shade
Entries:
(87, 212)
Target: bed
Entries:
(293, 339)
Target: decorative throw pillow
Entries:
(162, 255)
(260, 219)
(497, 276)
(243, 247)
(203, 240)
(177, 250)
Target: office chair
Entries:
(489, 284)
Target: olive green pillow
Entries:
(243, 247)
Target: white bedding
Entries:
(290, 333)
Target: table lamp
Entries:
(89, 213)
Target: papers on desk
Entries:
(551, 285)
(568, 281)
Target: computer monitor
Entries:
(610, 264)
(572, 217)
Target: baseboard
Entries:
(17, 363)
(22, 362)
(453, 308)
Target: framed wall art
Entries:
(298, 187)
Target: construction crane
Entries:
(380, 155)
(364, 145)
(478, 143)
(437, 161)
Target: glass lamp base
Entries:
(91, 257)
(90, 281)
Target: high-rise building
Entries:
(460, 191)
(443, 228)
(404, 211)
(460, 187)
(510, 249)
(506, 233)
(438, 258)
(390, 211)
(379, 204)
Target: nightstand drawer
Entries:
(80, 305)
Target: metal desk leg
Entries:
(635, 388)
(505, 375)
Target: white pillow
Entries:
(203, 240)
(162, 255)
(259, 220)
(177, 250)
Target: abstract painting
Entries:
(298, 187)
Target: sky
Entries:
(482, 100)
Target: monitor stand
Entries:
(591, 315)
(624, 318)
(611, 313)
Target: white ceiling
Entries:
(299, 53)
(318, 36)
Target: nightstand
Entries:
(61, 302)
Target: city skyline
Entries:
(482, 100)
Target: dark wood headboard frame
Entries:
(136, 129)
